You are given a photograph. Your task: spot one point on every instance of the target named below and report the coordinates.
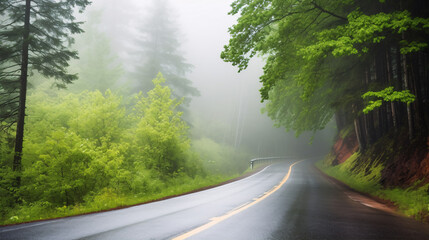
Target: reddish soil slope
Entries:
(408, 166)
(344, 148)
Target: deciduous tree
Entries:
(161, 135)
(322, 56)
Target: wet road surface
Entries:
(305, 205)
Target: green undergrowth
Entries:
(108, 198)
(412, 201)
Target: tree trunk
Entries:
(390, 78)
(425, 89)
(416, 85)
(384, 110)
(382, 121)
(368, 119)
(409, 110)
(360, 134)
(400, 108)
(17, 166)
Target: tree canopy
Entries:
(322, 56)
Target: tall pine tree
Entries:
(35, 35)
(159, 53)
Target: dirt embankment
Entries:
(405, 162)
(344, 148)
(405, 165)
(408, 165)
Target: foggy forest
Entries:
(106, 104)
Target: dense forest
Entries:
(363, 63)
(322, 57)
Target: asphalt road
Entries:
(268, 205)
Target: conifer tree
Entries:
(159, 53)
(35, 35)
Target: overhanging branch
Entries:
(328, 12)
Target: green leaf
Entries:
(386, 95)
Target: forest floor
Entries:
(393, 171)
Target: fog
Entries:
(228, 109)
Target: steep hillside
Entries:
(393, 169)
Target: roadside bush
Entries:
(88, 152)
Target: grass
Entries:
(412, 201)
(109, 199)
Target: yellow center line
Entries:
(217, 220)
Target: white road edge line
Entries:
(23, 227)
(43, 223)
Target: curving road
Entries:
(268, 205)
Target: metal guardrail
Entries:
(264, 160)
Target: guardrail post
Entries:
(265, 160)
